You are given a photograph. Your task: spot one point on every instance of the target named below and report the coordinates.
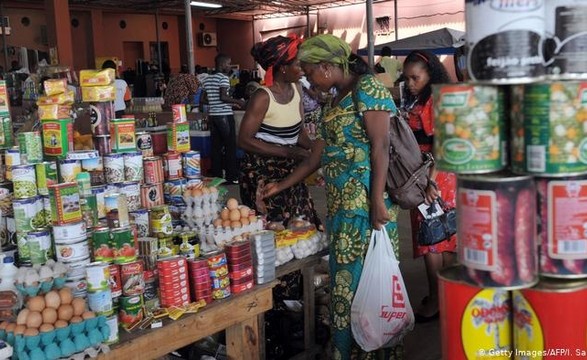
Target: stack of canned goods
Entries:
(72, 249)
(174, 286)
(240, 266)
(218, 267)
(200, 280)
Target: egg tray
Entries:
(59, 343)
(42, 288)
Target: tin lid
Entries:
(500, 176)
(559, 285)
(121, 229)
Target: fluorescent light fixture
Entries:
(205, 4)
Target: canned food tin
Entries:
(114, 168)
(28, 214)
(469, 129)
(172, 165)
(31, 147)
(241, 274)
(78, 286)
(131, 310)
(141, 219)
(215, 259)
(220, 294)
(171, 263)
(24, 253)
(150, 295)
(132, 191)
(145, 144)
(179, 113)
(478, 321)
(133, 166)
(72, 251)
(504, 41)
(191, 165)
(11, 158)
(152, 195)
(24, 181)
(220, 282)
(239, 288)
(98, 276)
(115, 281)
(68, 170)
(69, 231)
(6, 129)
(563, 248)
(218, 271)
(497, 230)
(123, 245)
(131, 277)
(100, 302)
(65, 203)
(160, 220)
(153, 170)
(173, 191)
(538, 313)
(57, 137)
(95, 167)
(89, 211)
(100, 192)
(46, 174)
(102, 144)
(112, 323)
(40, 247)
(554, 136)
(178, 137)
(100, 115)
(77, 268)
(122, 132)
(116, 209)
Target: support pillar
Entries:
(98, 45)
(59, 30)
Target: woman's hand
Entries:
(379, 214)
(298, 153)
(432, 193)
(271, 189)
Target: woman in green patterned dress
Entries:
(352, 145)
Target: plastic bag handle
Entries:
(382, 236)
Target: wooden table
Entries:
(238, 315)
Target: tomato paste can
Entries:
(179, 113)
(31, 147)
(475, 321)
(131, 278)
(496, 223)
(152, 195)
(100, 302)
(116, 208)
(133, 166)
(555, 137)
(140, 218)
(68, 170)
(69, 231)
(131, 310)
(102, 144)
(538, 313)
(178, 137)
(469, 129)
(95, 167)
(98, 276)
(65, 203)
(57, 137)
(11, 158)
(132, 191)
(40, 246)
(145, 144)
(101, 244)
(504, 40)
(122, 135)
(46, 174)
(172, 165)
(100, 192)
(563, 244)
(72, 250)
(566, 34)
(191, 165)
(114, 168)
(100, 115)
(112, 323)
(123, 245)
(153, 170)
(115, 281)
(24, 181)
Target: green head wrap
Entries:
(325, 48)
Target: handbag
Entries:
(439, 228)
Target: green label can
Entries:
(555, 135)
(40, 246)
(6, 130)
(24, 181)
(101, 244)
(24, 253)
(65, 203)
(131, 310)
(46, 175)
(469, 128)
(123, 245)
(122, 135)
(28, 214)
(57, 137)
(31, 147)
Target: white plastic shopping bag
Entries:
(381, 313)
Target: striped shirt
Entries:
(282, 122)
(212, 85)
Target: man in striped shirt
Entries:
(221, 120)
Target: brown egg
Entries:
(244, 211)
(52, 300)
(79, 306)
(232, 204)
(49, 315)
(34, 320)
(60, 324)
(76, 319)
(225, 223)
(46, 328)
(10, 327)
(235, 215)
(235, 224)
(217, 222)
(225, 214)
(22, 316)
(19, 329)
(65, 295)
(36, 303)
(31, 332)
(88, 315)
(65, 312)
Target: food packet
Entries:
(66, 98)
(96, 77)
(98, 93)
(55, 86)
(54, 112)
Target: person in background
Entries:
(221, 120)
(272, 133)
(312, 100)
(123, 94)
(422, 69)
(389, 65)
(180, 90)
(353, 146)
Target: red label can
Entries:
(115, 282)
(131, 276)
(153, 168)
(172, 165)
